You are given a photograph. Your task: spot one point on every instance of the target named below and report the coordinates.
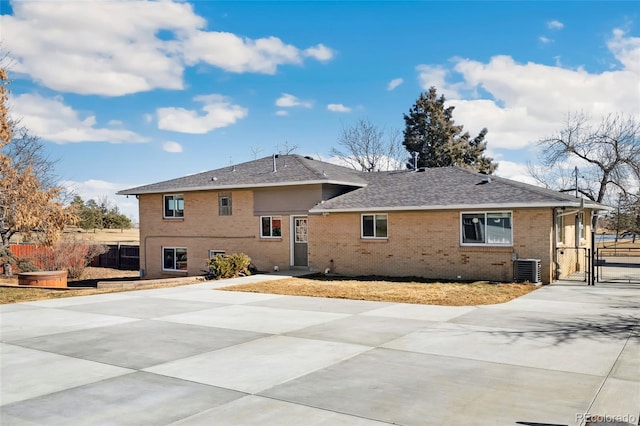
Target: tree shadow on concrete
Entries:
(613, 326)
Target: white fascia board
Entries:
(450, 207)
(240, 186)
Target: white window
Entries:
(373, 226)
(486, 228)
(173, 206)
(174, 259)
(270, 226)
(581, 228)
(214, 253)
(559, 229)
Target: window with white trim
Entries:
(373, 226)
(214, 253)
(174, 258)
(224, 204)
(559, 229)
(270, 226)
(486, 228)
(173, 206)
(582, 229)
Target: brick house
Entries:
(290, 211)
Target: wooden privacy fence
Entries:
(119, 256)
(33, 252)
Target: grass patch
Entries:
(89, 278)
(399, 291)
(26, 294)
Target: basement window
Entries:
(174, 259)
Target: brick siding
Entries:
(426, 244)
(202, 229)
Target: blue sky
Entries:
(129, 93)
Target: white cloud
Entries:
(105, 48)
(394, 83)
(235, 54)
(282, 113)
(53, 120)
(545, 40)
(555, 25)
(338, 108)
(320, 52)
(148, 118)
(429, 75)
(95, 189)
(515, 171)
(218, 112)
(114, 48)
(626, 50)
(171, 146)
(523, 102)
(289, 101)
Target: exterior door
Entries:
(300, 247)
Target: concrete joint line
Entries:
(595, 397)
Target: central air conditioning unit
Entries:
(528, 270)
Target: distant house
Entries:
(290, 211)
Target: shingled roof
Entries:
(289, 170)
(445, 188)
(428, 189)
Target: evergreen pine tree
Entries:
(433, 136)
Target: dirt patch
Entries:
(449, 294)
(89, 278)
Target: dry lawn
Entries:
(450, 294)
(89, 279)
(25, 294)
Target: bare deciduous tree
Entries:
(608, 154)
(366, 147)
(286, 149)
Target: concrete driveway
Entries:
(192, 355)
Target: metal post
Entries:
(594, 222)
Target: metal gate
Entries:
(618, 265)
(574, 263)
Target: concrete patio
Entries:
(193, 355)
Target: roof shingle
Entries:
(290, 170)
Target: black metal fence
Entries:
(618, 264)
(119, 256)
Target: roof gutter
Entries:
(319, 209)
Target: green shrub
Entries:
(229, 265)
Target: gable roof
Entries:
(445, 188)
(428, 189)
(289, 170)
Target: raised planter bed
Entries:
(43, 279)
